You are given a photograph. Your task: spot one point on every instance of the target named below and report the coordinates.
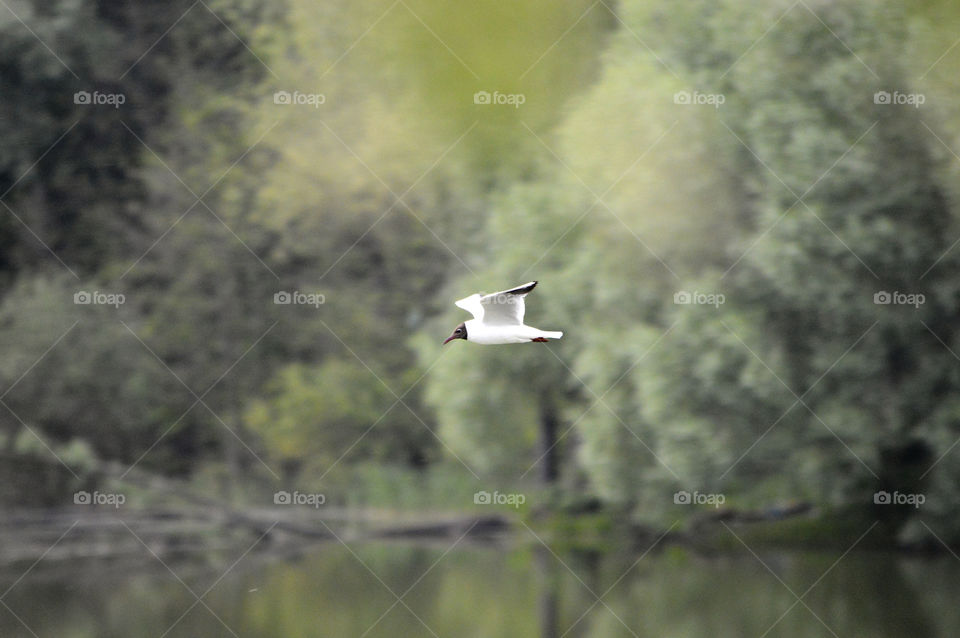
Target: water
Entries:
(485, 591)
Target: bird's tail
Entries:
(552, 335)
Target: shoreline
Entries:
(81, 533)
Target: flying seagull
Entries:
(498, 318)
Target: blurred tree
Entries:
(80, 183)
(312, 417)
(806, 198)
(847, 201)
(798, 198)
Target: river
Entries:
(514, 589)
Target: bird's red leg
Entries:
(539, 340)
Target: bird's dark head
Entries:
(460, 332)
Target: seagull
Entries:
(498, 318)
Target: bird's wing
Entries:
(505, 307)
(472, 305)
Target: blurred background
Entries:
(231, 233)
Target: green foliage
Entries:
(704, 397)
(797, 199)
(314, 415)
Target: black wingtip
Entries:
(522, 290)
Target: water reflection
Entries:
(402, 589)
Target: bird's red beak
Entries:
(448, 340)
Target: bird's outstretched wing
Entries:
(507, 306)
(498, 308)
(472, 305)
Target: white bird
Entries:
(498, 318)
